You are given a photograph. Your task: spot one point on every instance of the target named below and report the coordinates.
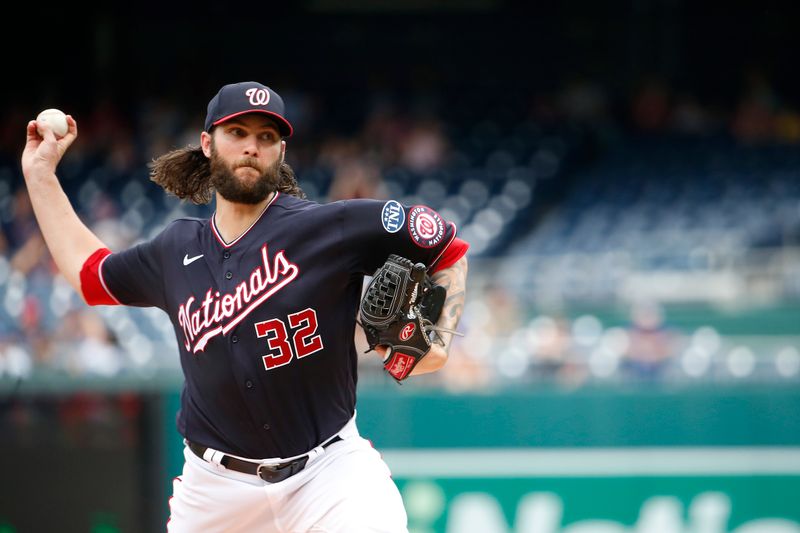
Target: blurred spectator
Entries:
(424, 147)
(106, 125)
(753, 120)
(356, 178)
(551, 347)
(464, 371)
(489, 319)
(31, 254)
(84, 346)
(650, 343)
(650, 106)
(22, 224)
(108, 225)
(15, 361)
(96, 351)
(36, 335)
(384, 131)
(689, 117)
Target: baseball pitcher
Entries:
(264, 298)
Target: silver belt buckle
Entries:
(266, 466)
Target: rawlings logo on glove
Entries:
(399, 310)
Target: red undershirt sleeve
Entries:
(452, 253)
(94, 289)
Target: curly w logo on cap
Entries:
(247, 97)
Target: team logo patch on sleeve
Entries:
(392, 216)
(426, 227)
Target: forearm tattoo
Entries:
(454, 280)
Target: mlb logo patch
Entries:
(393, 216)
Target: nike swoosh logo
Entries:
(189, 260)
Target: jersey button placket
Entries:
(226, 254)
(228, 274)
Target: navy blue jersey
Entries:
(265, 324)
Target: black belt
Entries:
(271, 473)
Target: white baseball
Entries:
(55, 120)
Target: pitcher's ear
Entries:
(205, 143)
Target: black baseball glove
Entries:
(399, 310)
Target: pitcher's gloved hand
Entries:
(398, 311)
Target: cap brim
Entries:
(284, 126)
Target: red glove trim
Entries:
(454, 251)
(94, 289)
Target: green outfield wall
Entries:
(707, 459)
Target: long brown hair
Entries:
(186, 173)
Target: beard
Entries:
(235, 189)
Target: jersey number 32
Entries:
(304, 340)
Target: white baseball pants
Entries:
(347, 488)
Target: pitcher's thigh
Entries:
(353, 493)
(204, 501)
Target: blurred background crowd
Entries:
(626, 172)
(623, 228)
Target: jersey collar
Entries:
(245, 232)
